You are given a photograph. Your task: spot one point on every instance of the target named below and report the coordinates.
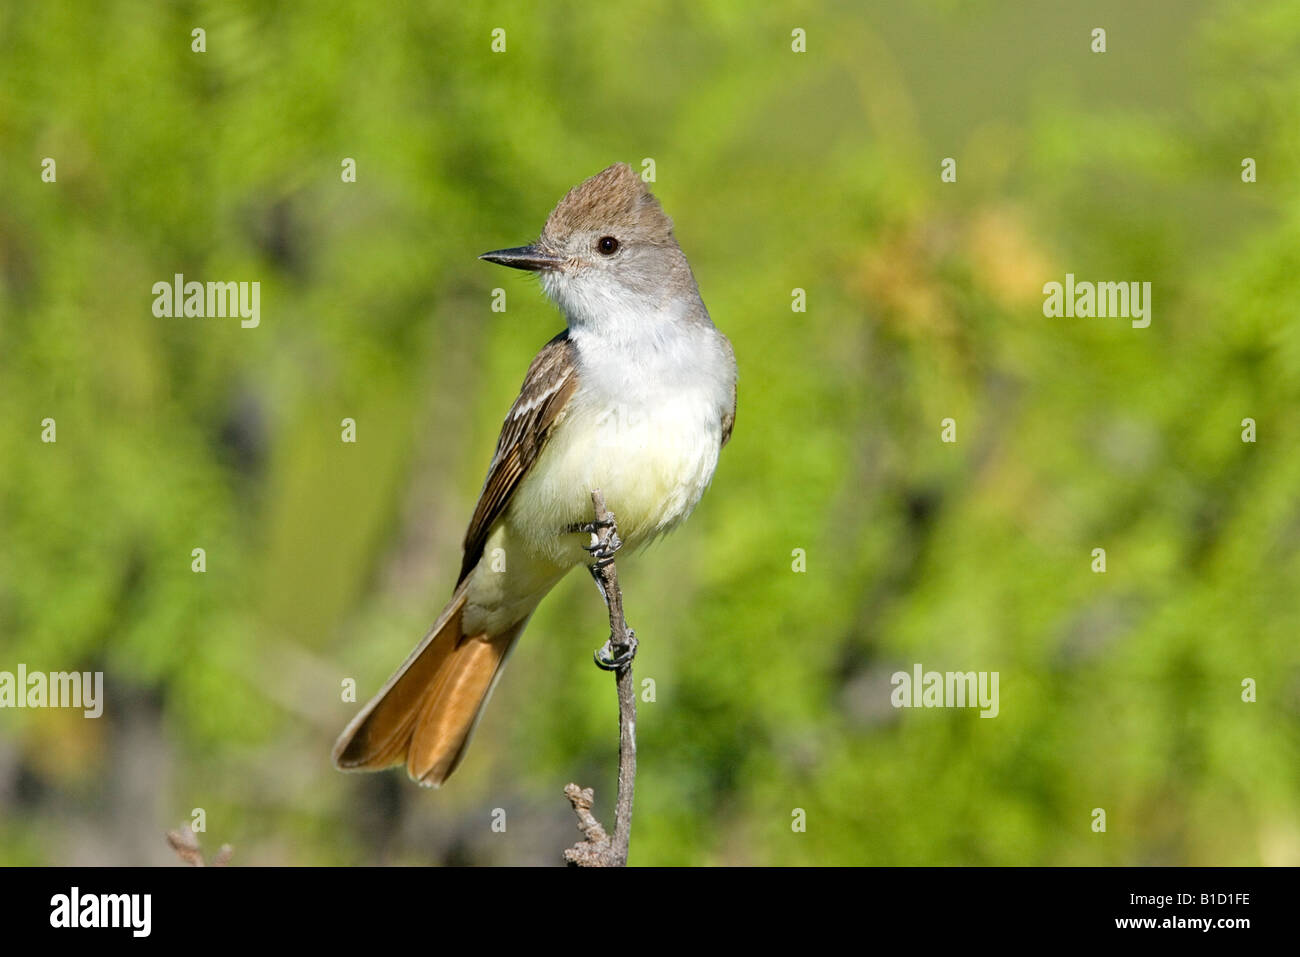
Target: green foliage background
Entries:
(817, 170)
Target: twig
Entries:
(186, 845)
(598, 849)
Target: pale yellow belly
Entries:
(652, 468)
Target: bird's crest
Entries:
(615, 199)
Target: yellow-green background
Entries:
(817, 170)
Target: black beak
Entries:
(533, 258)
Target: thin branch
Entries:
(598, 849)
(186, 845)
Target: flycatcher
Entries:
(636, 397)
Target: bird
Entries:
(636, 398)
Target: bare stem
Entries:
(598, 849)
(186, 845)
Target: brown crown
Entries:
(615, 199)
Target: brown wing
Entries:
(550, 381)
(729, 416)
(729, 419)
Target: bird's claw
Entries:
(594, 526)
(602, 549)
(608, 661)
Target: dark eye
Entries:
(608, 245)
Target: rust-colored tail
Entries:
(427, 711)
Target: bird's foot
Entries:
(602, 550)
(604, 539)
(609, 661)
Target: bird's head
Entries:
(607, 247)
